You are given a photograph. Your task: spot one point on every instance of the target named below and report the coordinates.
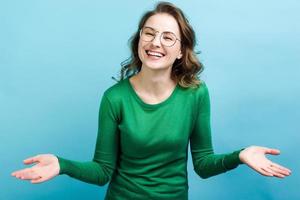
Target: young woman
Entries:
(148, 118)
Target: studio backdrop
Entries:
(57, 58)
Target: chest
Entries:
(144, 132)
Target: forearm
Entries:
(207, 164)
(90, 172)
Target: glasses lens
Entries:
(168, 39)
(148, 34)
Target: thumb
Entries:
(31, 160)
(273, 151)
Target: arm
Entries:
(98, 171)
(206, 163)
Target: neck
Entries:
(156, 83)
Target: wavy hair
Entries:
(186, 70)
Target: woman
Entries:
(148, 118)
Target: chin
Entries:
(155, 66)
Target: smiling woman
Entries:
(159, 52)
(176, 36)
(148, 119)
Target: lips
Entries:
(155, 54)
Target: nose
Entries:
(156, 41)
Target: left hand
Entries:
(254, 157)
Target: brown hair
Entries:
(185, 71)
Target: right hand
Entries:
(47, 167)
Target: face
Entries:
(154, 54)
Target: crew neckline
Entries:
(147, 105)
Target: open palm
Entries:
(46, 167)
(254, 157)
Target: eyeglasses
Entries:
(167, 38)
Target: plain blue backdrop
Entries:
(57, 58)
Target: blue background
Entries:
(57, 59)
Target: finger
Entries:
(30, 176)
(26, 174)
(18, 172)
(31, 173)
(15, 173)
(275, 172)
(282, 168)
(262, 172)
(38, 180)
(31, 160)
(266, 172)
(273, 151)
(278, 170)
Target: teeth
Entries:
(155, 54)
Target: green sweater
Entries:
(141, 148)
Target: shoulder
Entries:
(116, 91)
(113, 96)
(196, 96)
(201, 97)
(202, 88)
(198, 91)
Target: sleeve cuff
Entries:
(232, 160)
(63, 163)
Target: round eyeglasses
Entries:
(167, 38)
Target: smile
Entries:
(154, 54)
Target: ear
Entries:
(179, 55)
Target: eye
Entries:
(149, 34)
(168, 38)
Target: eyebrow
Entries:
(158, 31)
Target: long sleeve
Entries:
(206, 163)
(98, 171)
